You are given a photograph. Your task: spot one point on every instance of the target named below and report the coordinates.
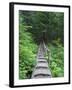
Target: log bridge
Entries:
(42, 69)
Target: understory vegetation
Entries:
(56, 59)
(27, 53)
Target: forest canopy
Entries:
(52, 23)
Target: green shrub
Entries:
(57, 59)
(27, 53)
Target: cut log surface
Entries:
(41, 69)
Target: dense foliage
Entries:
(57, 58)
(27, 53)
(44, 25)
(35, 26)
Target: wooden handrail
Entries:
(47, 51)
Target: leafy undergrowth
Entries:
(27, 53)
(57, 59)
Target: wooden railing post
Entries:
(47, 52)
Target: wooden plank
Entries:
(42, 72)
(42, 64)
